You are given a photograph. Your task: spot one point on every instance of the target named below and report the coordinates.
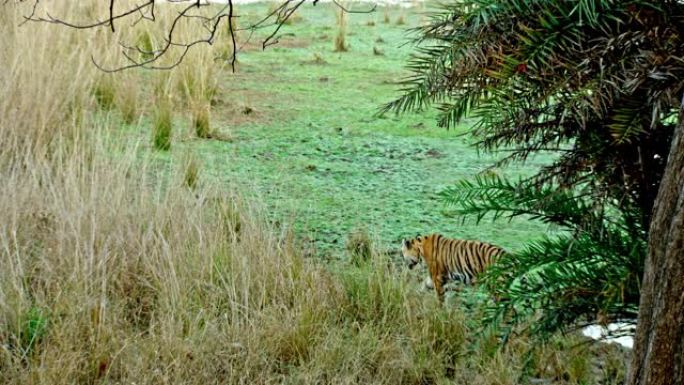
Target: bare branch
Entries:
(145, 11)
(287, 14)
(111, 14)
(95, 24)
(337, 3)
(33, 11)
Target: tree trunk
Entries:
(658, 356)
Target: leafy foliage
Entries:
(597, 83)
(590, 273)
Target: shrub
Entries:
(105, 92)
(162, 125)
(145, 45)
(201, 121)
(360, 246)
(34, 326)
(191, 171)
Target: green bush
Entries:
(590, 270)
(34, 326)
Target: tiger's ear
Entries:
(406, 243)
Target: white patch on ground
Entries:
(604, 333)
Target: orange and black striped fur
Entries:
(450, 259)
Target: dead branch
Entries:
(145, 12)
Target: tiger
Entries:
(450, 259)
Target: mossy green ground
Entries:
(307, 140)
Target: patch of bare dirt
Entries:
(239, 107)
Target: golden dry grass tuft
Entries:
(340, 44)
(127, 99)
(386, 15)
(201, 122)
(191, 172)
(401, 19)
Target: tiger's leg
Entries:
(427, 283)
(439, 288)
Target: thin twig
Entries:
(145, 11)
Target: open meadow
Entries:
(302, 135)
(200, 225)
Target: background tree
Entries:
(597, 84)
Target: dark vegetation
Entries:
(599, 84)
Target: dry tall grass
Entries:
(386, 15)
(340, 44)
(118, 270)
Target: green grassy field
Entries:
(306, 138)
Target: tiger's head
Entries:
(412, 250)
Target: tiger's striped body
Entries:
(450, 259)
